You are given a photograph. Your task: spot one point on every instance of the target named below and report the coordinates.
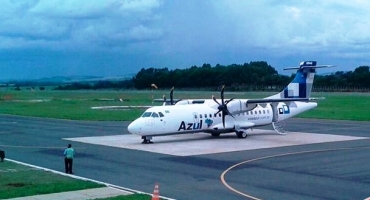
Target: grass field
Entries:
(76, 105)
(18, 180)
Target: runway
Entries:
(318, 159)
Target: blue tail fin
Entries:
(301, 86)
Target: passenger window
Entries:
(255, 112)
(264, 112)
(259, 112)
(155, 115)
(200, 116)
(161, 114)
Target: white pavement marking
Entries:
(203, 143)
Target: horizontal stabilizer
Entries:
(319, 66)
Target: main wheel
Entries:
(241, 134)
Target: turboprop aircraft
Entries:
(218, 116)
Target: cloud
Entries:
(61, 24)
(132, 34)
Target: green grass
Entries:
(18, 180)
(341, 106)
(76, 105)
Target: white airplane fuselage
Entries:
(193, 118)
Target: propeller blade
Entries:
(215, 100)
(171, 95)
(222, 94)
(223, 106)
(229, 113)
(228, 101)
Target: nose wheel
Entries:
(146, 140)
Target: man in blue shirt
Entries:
(68, 158)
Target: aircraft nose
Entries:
(134, 128)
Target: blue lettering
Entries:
(190, 126)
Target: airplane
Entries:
(219, 116)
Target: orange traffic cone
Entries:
(155, 195)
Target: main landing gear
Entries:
(241, 134)
(146, 140)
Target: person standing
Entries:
(68, 158)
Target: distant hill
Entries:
(71, 79)
(57, 80)
(68, 79)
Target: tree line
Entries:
(250, 76)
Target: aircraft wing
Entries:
(276, 100)
(118, 107)
(163, 100)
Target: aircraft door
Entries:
(275, 112)
(279, 112)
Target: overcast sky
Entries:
(44, 38)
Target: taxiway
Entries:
(318, 159)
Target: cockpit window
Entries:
(155, 115)
(146, 114)
(161, 114)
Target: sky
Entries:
(45, 38)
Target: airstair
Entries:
(279, 127)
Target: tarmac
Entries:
(97, 193)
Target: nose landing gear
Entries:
(146, 140)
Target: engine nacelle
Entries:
(237, 106)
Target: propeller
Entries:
(223, 106)
(171, 95)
